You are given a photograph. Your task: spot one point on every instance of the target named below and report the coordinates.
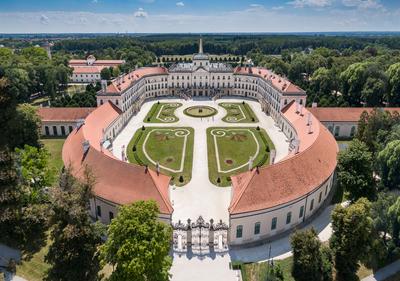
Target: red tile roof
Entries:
(291, 178)
(120, 84)
(87, 69)
(107, 63)
(63, 114)
(116, 181)
(343, 114)
(281, 84)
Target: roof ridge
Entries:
(166, 202)
(232, 206)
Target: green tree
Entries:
(373, 91)
(23, 222)
(389, 164)
(24, 127)
(394, 213)
(138, 244)
(311, 260)
(105, 74)
(35, 170)
(73, 255)
(393, 93)
(351, 239)
(355, 174)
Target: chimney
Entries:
(301, 110)
(297, 146)
(85, 146)
(297, 107)
(310, 129)
(314, 105)
(309, 121)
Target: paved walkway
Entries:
(200, 196)
(384, 272)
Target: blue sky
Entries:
(32, 16)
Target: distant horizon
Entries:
(198, 16)
(371, 32)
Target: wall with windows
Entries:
(104, 211)
(57, 128)
(342, 129)
(85, 77)
(253, 226)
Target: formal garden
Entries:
(238, 113)
(162, 113)
(234, 150)
(170, 149)
(200, 111)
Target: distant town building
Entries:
(88, 71)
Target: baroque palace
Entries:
(264, 201)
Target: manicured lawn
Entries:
(235, 146)
(162, 113)
(166, 146)
(238, 113)
(54, 147)
(257, 271)
(200, 111)
(34, 269)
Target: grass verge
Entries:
(235, 147)
(166, 148)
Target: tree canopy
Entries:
(138, 244)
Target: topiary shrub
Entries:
(134, 148)
(148, 119)
(218, 180)
(181, 179)
(252, 119)
(267, 149)
(258, 128)
(143, 128)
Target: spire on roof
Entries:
(201, 46)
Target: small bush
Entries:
(258, 128)
(143, 128)
(267, 149)
(181, 179)
(148, 119)
(252, 119)
(218, 180)
(134, 148)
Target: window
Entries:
(337, 129)
(312, 205)
(70, 129)
(273, 223)
(320, 197)
(98, 211)
(301, 212)
(239, 231)
(55, 130)
(111, 215)
(257, 227)
(288, 217)
(353, 131)
(46, 129)
(63, 130)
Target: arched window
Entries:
(353, 131)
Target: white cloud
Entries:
(311, 3)
(180, 4)
(277, 8)
(141, 13)
(256, 6)
(363, 4)
(44, 19)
